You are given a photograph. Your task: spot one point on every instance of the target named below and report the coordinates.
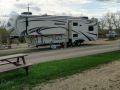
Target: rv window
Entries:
(91, 28)
(75, 24)
(75, 35)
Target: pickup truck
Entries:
(111, 34)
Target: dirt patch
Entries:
(104, 77)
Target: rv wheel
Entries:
(78, 43)
(62, 45)
(73, 44)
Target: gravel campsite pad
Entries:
(103, 77)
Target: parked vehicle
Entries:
(111, 34)
(44, 30)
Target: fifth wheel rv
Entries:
(44, 30)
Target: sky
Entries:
(90, 8)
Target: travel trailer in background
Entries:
(44, 30)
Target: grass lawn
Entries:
(43, 72)
(112, 39)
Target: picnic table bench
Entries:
(9, 60)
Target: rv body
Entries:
(44, 30)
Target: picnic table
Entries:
(15, 60)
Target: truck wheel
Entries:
(78, 43)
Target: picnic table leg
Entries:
(23, 59)
(18, 60)
(26, 69)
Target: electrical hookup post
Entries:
(119, 44)
(65, 44)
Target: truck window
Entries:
(75, 35)
(75, 24)
(91, 28)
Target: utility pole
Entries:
(28, 7)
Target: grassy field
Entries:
(43, 72)
(112, 39)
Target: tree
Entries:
(4, 36)
(93, 19)
(109, 24)
(116, 22)
(102, 24)
(2, 22)
(109, 21)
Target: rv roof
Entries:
(42, 16)
(51, 16)
(48, 16)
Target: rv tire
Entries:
(78, 43)
(73, 44)
(62, 45)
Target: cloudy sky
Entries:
(90, 8)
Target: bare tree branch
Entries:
(116, 20)
(109, 20)
(4, 36)
(102, 23)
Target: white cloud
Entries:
(89, 8)
(22, 6)
(36, 8)
(79, 1)
(12, 13)
(102, 8)
(113, 1)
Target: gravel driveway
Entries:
(104, 77)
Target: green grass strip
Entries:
(43, 72)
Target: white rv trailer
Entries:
(43, 30)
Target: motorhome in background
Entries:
(44, 30)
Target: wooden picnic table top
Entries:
(12, 56)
